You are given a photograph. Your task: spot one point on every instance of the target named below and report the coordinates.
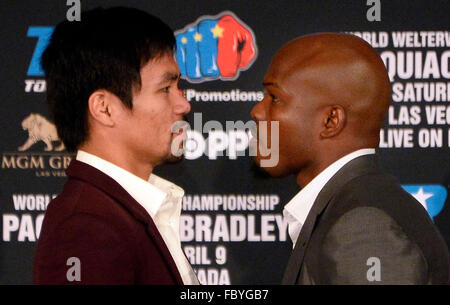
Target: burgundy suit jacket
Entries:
(95, 220)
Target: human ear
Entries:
(100, 106)
(333, 122)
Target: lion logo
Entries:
(40, 129)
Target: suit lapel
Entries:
(97, 178)
(357, 167)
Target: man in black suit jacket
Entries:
(350, 223)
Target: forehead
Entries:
(159, 68)
(300, 81)
(276, 69)
(282, 73)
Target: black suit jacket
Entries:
(363, 219)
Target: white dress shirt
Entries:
(296, 211)
(160, 198)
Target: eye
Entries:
(274, 99)
(166, 89)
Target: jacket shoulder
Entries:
(383, 192)
(364, 236)
(376, 204)
(86, 224)
(81, 198)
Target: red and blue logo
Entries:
(215, 47)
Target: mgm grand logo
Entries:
(51, 161)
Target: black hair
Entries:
(105, 50)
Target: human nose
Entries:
(182, 106)
(258, 111)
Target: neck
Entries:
(120, 158)
(307, 174)
(322, 159)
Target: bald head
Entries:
(330, 94)
(337, 69)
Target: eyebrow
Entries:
(267, 84)
(169, 77)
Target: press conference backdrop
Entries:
(232, 227)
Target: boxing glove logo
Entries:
(215, 47)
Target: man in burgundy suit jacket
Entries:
(112, 90)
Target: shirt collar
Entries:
(150, 194)
(296, 210)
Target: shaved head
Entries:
(330, 93)
(341, 69)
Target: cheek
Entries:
(150, 131)
(287, 127)
(155, 118)
(161, 130)
(295, 135)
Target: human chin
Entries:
(176, 147)
(176, 150)
(277, 169)
(174, 159)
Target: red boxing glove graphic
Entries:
(236, 48)
(217, 47)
